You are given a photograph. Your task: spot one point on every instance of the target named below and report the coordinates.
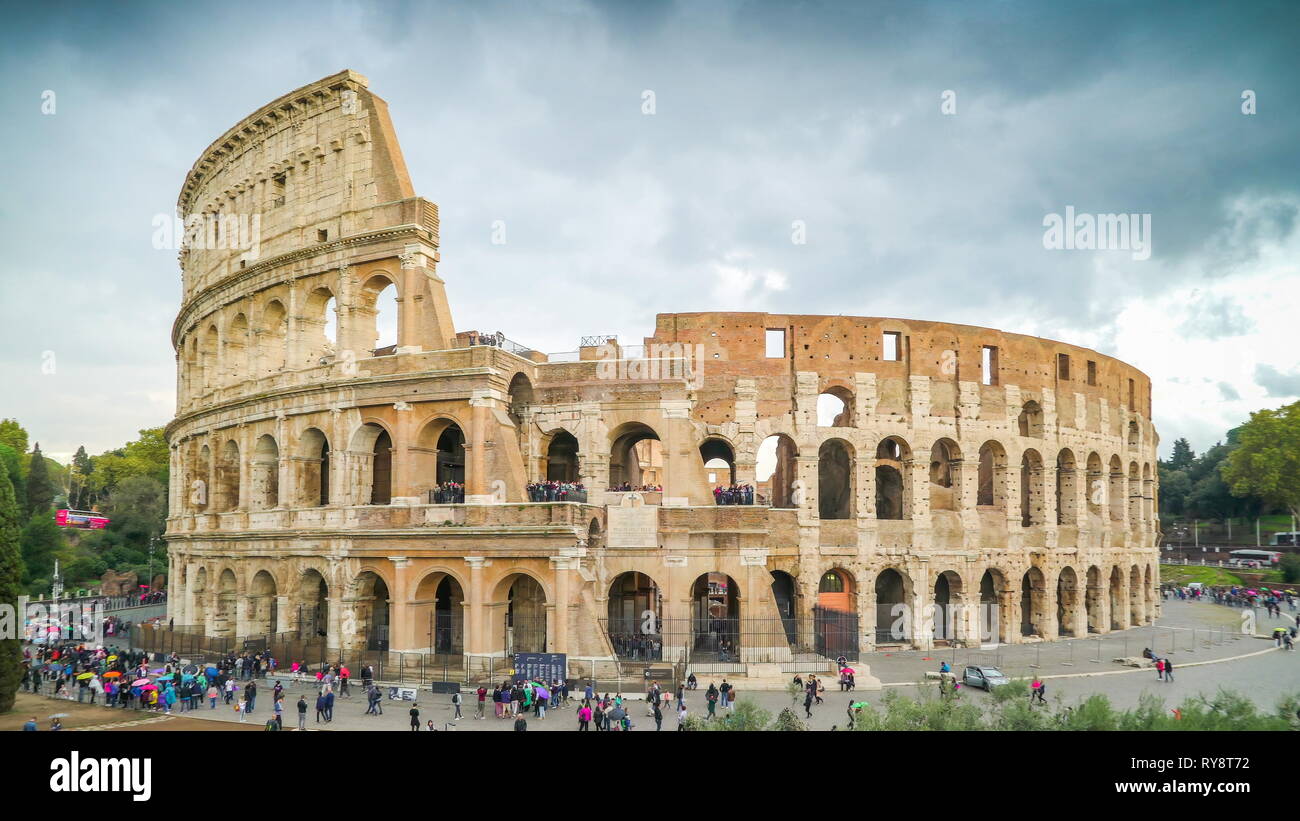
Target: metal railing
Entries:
(497, 340)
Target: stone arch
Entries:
(1134, 495)
(197, 495)
(236, 346)
(948, 622)
(1071, 618)
(313, 468)
(893, 589)
(785, 591)
(198, 615)
(835, 407)
(1032, 500)
(209, 348)
(996, 619)
(272, 338)
(1030, 421)
(835, 616)
(519, 398)
(318, 326)
(893, 479)
(438, 612)
(263, 604)
(311, 601)
(1094, 603)
(1067, 488)
(595, 536)
(265, 474)
(440, 451)
(225, 490)
(377, 315)
(776, 469)
(1115, 490)
(225, 621)
(945, 467)
(715, 618)
(836, 483)
(719, 459)
(1117, 603)
(1033, 603)
(520, 611)
(631, 463)
(1096, 489)
(635, 611)
(563, 457)
(370, 458)
(372, 610)
(992, 487)
(1134, 434)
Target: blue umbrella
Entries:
(212, 671)
(187, 677)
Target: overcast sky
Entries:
(764, 114)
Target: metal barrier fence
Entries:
(698, 641)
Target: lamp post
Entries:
(56, 590)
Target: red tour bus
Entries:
(85, 519)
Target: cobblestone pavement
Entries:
(1191, 633)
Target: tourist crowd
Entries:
(447, 493)
(733, 495)
(556, 492)
(627, 488)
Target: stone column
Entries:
(562, 566)
(283, 615)
(476, 480)
(476, 638)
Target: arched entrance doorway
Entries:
(634, 612)
(835, 616)
(227, 598)
(835, 484)
(562, 458)
(371, 610)
(893, 625)
(775, 470)
(715, 618)
(263, 615)
(313, 606)
(995, 620)
(785, 592)
(948, 623)
(1033, 601)
(633, 465)
(1068, 603)
(1093, 602)
(525, 615)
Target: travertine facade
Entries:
(964, 467)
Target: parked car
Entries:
(986, 678)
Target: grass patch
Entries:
(1185, 574)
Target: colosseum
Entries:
(902, 483)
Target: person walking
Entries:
(455, 703)
(1160, 669)
(711, 700)
(320, 707)
(808, 701)
(659, 717)
(482, 702)
(415, 717)
(584, 718)
(1169, 670)
(681, 714)
(302, 712)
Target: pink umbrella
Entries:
(848, 671)
(140, 682)
(150, 687)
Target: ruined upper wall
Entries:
(310, 167)
(837, 347)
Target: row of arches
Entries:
(266, 336)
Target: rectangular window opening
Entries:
(892, 345)
(1063, 367)
(1092, 373)
(322, 235)
(775, 343)
(989, 365)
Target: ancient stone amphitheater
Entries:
(915, 483)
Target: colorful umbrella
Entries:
(210, 670)
(848, 671)
(190, 668)
(140, 682)
(541, 692)
(112, 674)
(84, 676)
(187, 677)
(112, 658)
(159, 672)
(149, 687)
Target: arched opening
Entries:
(634, 611)
(992, 490)
(263, 611)
(994, 606)
(525, 621)
(370, 459)
(1116, 490)
(719, 463)
(715, 619)
(313, 615)
(893, 457)
(893, 622)
(265, 474)
(1067, 489)
(520, 398)
(192, 375)
(272, 338)
(1033, 600)
(785, 592)
(635, 458)
(775, 470)
(835, 483)
(377, 316)
(225, 623)
(371, 610)
(236, 347)
(947, 614)
(318, 326)
(1032, 511)
(1069, 620)
(438, 614)
(1134, 435)
(595, 538)
(198, 614)
(835, 408)
(835, 617)
(198, 486)
(562, 458)
(1030, 420)
(314, 469)
(208, 356)
(945, 460)
(1096, 490)
(1134, 496)
(226, 490)
(1116, 599)
(1093, 602)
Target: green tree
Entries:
(13, 462)
(786, 720)
(40, 490)
(10, 588)
(13, 435)
(42, 542)
(1291, 568)
(1183, 456)
(1266, 461)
